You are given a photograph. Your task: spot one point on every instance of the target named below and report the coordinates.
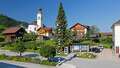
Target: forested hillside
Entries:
(6, 22)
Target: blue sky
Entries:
(102, 13)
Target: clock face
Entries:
(39, 17)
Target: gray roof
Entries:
(116, 23)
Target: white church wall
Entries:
(31, 28)
(39, 18)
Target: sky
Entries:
(102, 13)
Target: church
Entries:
(39, 28)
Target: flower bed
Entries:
(25, 59)
(86, 55)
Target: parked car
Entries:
(56, 59)
(95, 49)
(101, 47)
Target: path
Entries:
(106, 54)
(105, 59)
(10, 53)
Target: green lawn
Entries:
(107, 45)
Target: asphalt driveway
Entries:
(105, 59)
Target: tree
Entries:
(32, 45)
(92, 30)
(69, 37)
(61, 25)
(19, 46)
(29, 37)
(47, 51)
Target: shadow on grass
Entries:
(6, 65)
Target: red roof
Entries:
(11, 30)
(78, 24)
(48, 29)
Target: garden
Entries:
(86, 55)
(45, 48)
(26, 59)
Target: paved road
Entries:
(10, 53)
(12, 64)
(105, 59)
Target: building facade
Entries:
(44, 33)
(79, 30)
(12, 33)
(116, 37)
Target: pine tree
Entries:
(61, 25)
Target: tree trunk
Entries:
(20, 54)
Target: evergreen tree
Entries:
(61, 25)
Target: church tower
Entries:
(39, 18)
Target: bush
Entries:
(2, 57)
(17, 58)
(2, 39)
(86, 55)
(107, 45)
(46, 62)
(47, 51)
(37, 61)
(31, 45)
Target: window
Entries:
(117, 49)
(81, 33)
(39, 17)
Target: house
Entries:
(116, 36)
(12, 33)
(32, 27)
(107, 34)
(44, 33)
(80, 30)
(101, 34)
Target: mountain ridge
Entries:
(6, 21)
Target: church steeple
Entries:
(39, 18)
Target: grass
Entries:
(107, 45)
(25, 59)
(7, 48)
(61, 55)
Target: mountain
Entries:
(6, 22)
